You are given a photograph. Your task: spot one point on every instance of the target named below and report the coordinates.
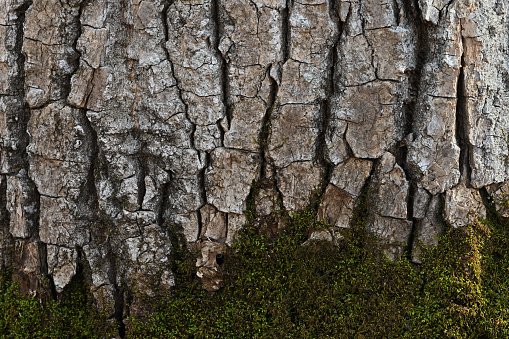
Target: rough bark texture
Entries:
(123, 122)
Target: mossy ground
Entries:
(277, 288)
(71, 316)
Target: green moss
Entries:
(72, 316)
(277, 288)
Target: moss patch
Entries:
(72, 316)
(278, 288)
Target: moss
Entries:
(277, 288)
(73, 315)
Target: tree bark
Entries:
(124, 122)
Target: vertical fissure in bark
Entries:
(397, 12)
(140, 179)
(200, 226)
(20, 23)
(76, 56)
(89, 189)
(263, 136)
(489, 204)
(412, 190)
(164, 20)
(165, 194)
(89, 197)
(285, 30)
(349, 149)
(321, 148)
(421, 49)
(4, 213)
(279, 194)
(226, 215)
(221, 130)
(23, 114)
(360, 214)
(325, 107)
(413, 237)
(225, 87)
(119, 293)
(462, 122)
(201, 179)
(6, 240)
(48, 284)
(203, 189)
(22, 168)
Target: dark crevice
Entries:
(321, 147)
(119, 311)
(361, 216)
(164, 20)
(225, 87)
(397, 12)
(412, 190)
(462, 124)
(286, 30)
(422, 49)
(325, 107)
(222, 131)
(18, 123)
(278, 191)
(263, 136)
(488, 202)
(76, 56)
(18, 47)
(193, 125)
(25, 113)
(48, 283)
(225, 234)
(18, 115)
(21, 119)
(119, 291)
(201, 179)
(6, 240)
(349, 149)
(414, 18)
(141, 173)
(165, 195)
(200, 225)
(89, 198)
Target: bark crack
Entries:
(326, 111)
(76, 56)
(421, 50)
(266, 125)
(140, 179)
(164, 19)
(397, 12)
(88, 191)
(225, 88)
(286, 31)
(462, 122)
(19, 164)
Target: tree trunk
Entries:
(123, 122)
